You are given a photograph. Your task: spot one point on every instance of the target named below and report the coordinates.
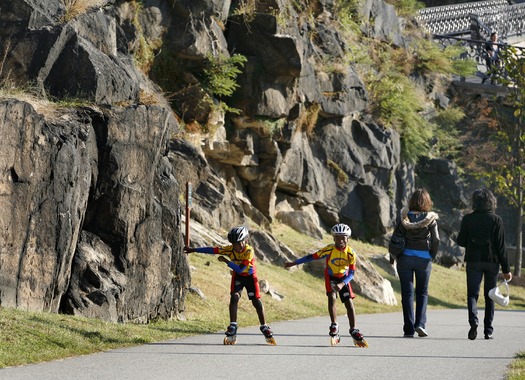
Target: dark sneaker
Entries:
(265, 329)
(489, 336)
(334, 329)
(421, 332)
(473, 333)
(408, 336)
(356, 334)
(232, 330)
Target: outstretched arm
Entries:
(302, 260)
(208, 250)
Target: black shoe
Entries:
(489, 336)
(473, 333)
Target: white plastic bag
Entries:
(496, 295)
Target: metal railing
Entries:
(485, 16)
(455, 19)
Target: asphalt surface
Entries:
(304, 352)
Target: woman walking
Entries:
(419, 224)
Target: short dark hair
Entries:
(483, 200)
(420, 201)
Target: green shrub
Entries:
(446, 141)
(430, 57)
(347, 13)
(272, 126)
(397, 103)
(220, 74)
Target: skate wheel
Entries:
(271, 341)
(361, 343)
(230, 340)
(335, 340)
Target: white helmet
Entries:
(341, 229)
(237, 234)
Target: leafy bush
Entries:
(348, 14)
(397, 103)
(246, 9)
(271, 126)
(219, 76)
(446, 142)
(430, 57)
(218, 79)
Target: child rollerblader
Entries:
(339, 271)
(242, 262)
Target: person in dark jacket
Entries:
(492, 57)
(483, 236)
(420, 228)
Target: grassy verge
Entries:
(27, 337)
(517, 368)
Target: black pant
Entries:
(476, 271)
(492, 69)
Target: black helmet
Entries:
(237, 234)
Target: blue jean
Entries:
(407, 267)
(475, 273)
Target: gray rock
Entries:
(269, 249)
(381, 22)
(47, 174)
(96, 284)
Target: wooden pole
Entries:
(188, 208)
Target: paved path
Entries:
(303, 352)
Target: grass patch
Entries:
(517, 368)
(27, 337)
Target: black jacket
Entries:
(421, 231)
(483, 236)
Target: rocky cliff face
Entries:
(323, 163)
(90, 209)
(91, 213)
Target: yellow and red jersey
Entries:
(243, 263)
(339, 262)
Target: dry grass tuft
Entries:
(148, 98)
(78, 7)
(307, 120)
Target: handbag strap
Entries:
(401, 229)
(505, 283)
